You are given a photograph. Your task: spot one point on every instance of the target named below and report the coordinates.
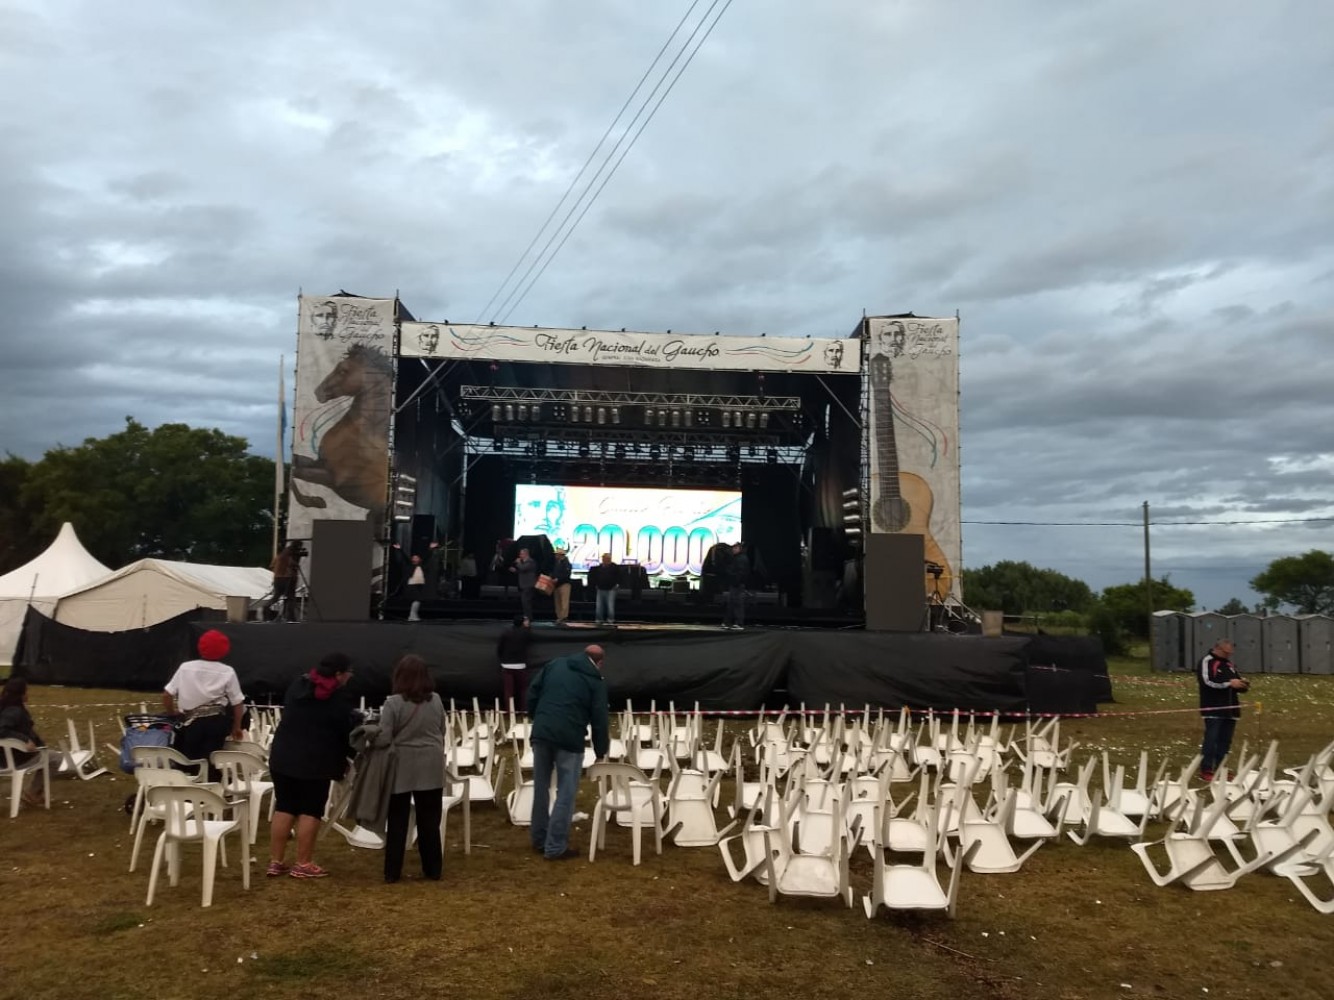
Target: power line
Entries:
(508, 307)
(616, 166)
(542, 228)
(1152, 524)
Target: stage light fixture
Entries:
(496, 413)
(689, 417)
(764, 419)
(736, 419)
(727, 419)
(509, 413)
(535, 412)
(602, 414)
(615, 414)
(750, 420)
(523, 412)
(662, 418)
(574, 414)
(588, 414)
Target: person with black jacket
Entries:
(604, 578)
(310, 751)
(512, 651)
(1220, 683)
(566, 698)
(525, 570)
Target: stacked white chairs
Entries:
(18, 773)
(633, 798)
(1090, 814)
(76, 759)
(691, 796)
(193, 813)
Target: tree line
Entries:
(1303, 584)
(175, 492)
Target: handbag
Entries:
(546, 584)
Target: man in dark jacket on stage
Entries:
(1220, 683)
(604, 578)
(525, 568)
(564, 700)
(737, 574)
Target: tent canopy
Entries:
(153, 590)
(64, 566)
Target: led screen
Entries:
(667, 531)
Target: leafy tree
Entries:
(175, 492)
(1127, 604)
(17, 542)
(1304, 582)
(1233, 607)
(1016, 587)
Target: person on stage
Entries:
(525, 570)
(416, 589)
(469, 581)
(560, 595)
(604, 578)
(286, 566)
(737, 574)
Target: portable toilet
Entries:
(1208, 627)
(1248, 636)
(1315, 638)
(1282, 654)
(1171, 640)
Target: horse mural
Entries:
(352, 456)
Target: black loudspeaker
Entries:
(339, 571)
(894, 571)
(423, 534)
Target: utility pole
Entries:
(1148, 586)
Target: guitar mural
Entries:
(903, 500)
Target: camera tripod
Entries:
(942, 612)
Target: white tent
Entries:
(64, 566)
(153, 590)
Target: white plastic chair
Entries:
(822, 874)
(917, 886)
(192, 814)
(76, 759)
(690, 795)
(242, 776)
(146, 778)
(635, 799)
(760, 820)
(18, 772)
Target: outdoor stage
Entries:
(716, 669)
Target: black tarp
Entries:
(140, 659)
(927, 670)
(738, 671)
(1082, 653)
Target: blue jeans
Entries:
(551, 834)
(606, 607)
(1217, 741)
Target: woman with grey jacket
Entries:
(412, 721)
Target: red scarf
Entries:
(324, 686)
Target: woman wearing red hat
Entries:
(207, 692)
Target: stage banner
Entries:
(710, 352)
(913, 392)
(344, 393)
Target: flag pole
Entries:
(278, 454)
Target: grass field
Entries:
(1074, 923)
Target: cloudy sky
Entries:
(1131, 205)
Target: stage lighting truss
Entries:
(665, 451)
(748, 415)
(404, 496)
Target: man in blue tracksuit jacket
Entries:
(564, 700)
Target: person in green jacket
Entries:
(564, 700)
